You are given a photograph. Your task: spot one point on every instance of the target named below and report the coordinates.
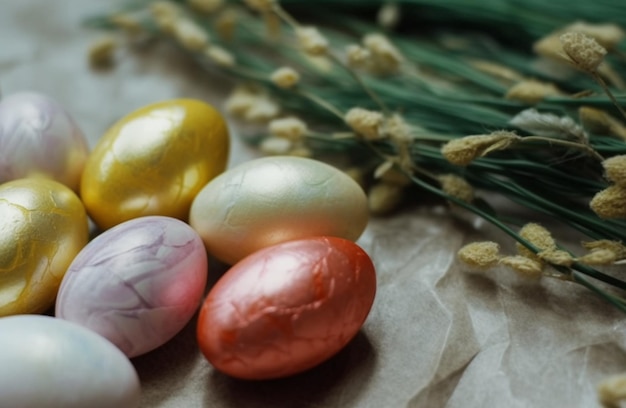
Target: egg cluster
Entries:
(157, 189)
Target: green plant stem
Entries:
(608, 92)
(560, 142)
(615, 301)
(443, 97)
(496, 222)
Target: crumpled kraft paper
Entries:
(437, 336)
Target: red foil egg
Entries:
(287, 308)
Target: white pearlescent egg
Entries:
(137, 284)
(266, 201)
(52, 363)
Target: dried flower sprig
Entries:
(412, 115)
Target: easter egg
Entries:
(286, 308)
(43, 226)
(136, 284)
(154, 161)
(38, 137)
(275, 199)
(47, 362)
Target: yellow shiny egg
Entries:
(43, 226)
(154, 161)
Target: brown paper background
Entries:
(437, 336)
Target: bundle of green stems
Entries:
(451, 96)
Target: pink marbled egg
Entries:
(136, 284)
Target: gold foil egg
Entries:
(275, 199)
(44, 226)
(154, 161)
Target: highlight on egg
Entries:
(137, 284)
(48, 362)
(287, 308)
(39, 137)
(275, 199)
(44, 225)
(154, 161)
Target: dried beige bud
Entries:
(394, 176)
(548, 124)
(480, 255)
(126, 22)
(456, 186)
(607, 35)
(384, 197)
(599, 122)
(275, 145)
(550, 47)
(464, 150)
(300, 151)
(396, 128)
(220, 56)
(556, 257)
(497, 70)
(610, 202)
(290, 128)
(190, 35)
(584, 51)
(312, 41)
(285, 77)
(538, 236)
(164, 7)
(205, 6)
(165, 14)
(357, 56)
(272, 25)
(388, 15)
(102, 51)
(385, 57)
(240, 100)
(532, 91)
(383, 168)
(365, 122)
(615, 169)
(263, 109)
(251, 104)
(226, 22)
(260, 5)
(614, 246)
(599, 257)
(526, 267)
(612, 391)
(603, 252)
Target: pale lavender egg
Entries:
(38, 137)
(136, 284)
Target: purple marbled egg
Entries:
(136, 284)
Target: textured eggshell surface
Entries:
(275, 199)
(43, 226)
(136, 284)
(51, 363)
(39, 137)
(154, 161)
(286, 308)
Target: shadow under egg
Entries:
(164, 369)
(336, 382)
